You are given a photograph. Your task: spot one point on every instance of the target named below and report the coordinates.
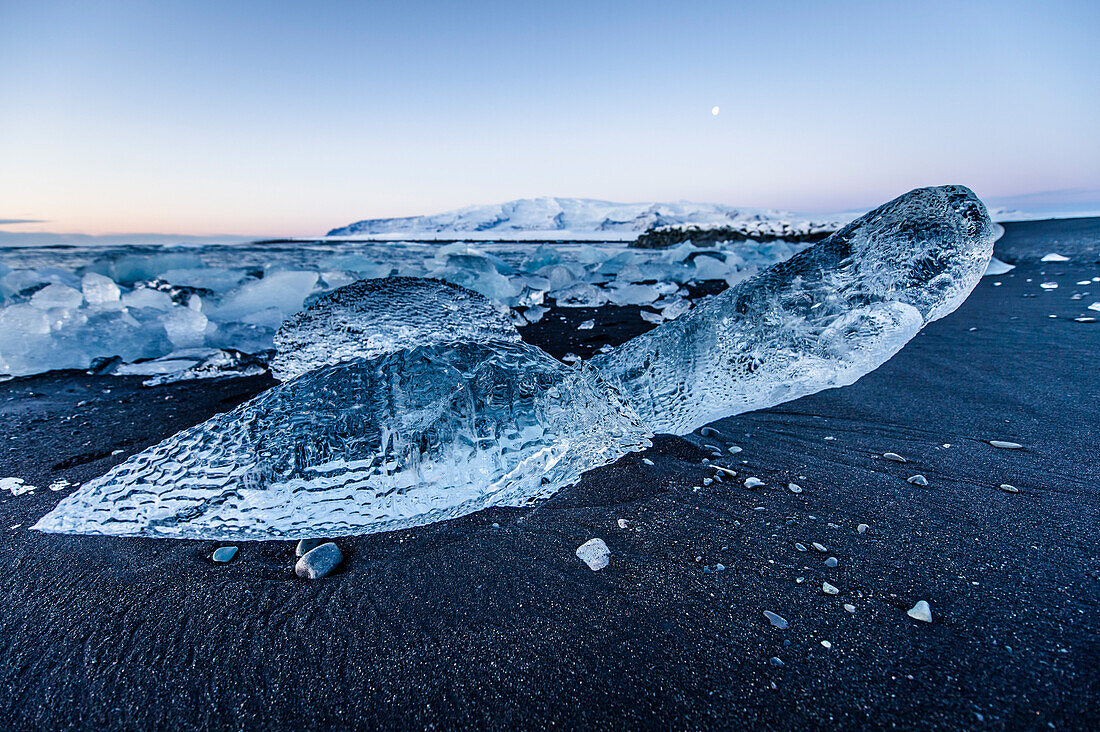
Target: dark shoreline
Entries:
(490, 620)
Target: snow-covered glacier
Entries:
(568, 218)
(439, 430)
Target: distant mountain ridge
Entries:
(562, 215)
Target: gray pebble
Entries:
(319, 562)
(307, 545)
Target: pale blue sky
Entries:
(292, 118)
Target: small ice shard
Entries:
(319, 562)
(894, 457)
(826, 644)
(777, 620)
(829, 589)
(831, 562)
(59, 485)
(16, 486)
(224, 554)
(380, 444)
(821, 319)
(1006, 445)
(371, 317)
(753, 482)
(997, 267)
(595, 554)
(1007, 488)
(623, 524)
(774, 660)
(647, 461)
(724, 470)
(1095, 306)
(862, 528)
(734, 449)
(849, 607)
(1054, 257)
(305, 546)
(1049, 285)
(917, 479)
(794, 487)
(587, 325)
(800, 547)
(921, 611)
(819, 547)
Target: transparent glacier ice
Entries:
(400, 440)
(357, 441)
(372, 317)
(822, 318)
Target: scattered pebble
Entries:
(921, 611)
(830, 438)
(794, 487)
(708, 481)
(799, 547)
(829, 589)
(708, 432)
(1006, 445)
(917, 479)
(225, 554)
(862, 528)
(1049, 285)
(895, 457)
(587, 325)
(647, 461)
(734, 449)
(305, 546)
(831, 562)
(827, 644)
(623, 524)
(319, 562)
(1009, 488)
(595, 554)
(820, 547)
(59, 485)
(799, 580)
(777, 620)
(753, 482)
(1095, 306)
(775, 661)
(849, 607)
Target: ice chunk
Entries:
(99, 290)
(580, 295)
(997, 267)
(268, 300)
(821, 319)
(378, 444)
(185, 327)
(57, 296)
(372, 317)
(1054, 257)
(147, 297)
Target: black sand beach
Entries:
(491, 620)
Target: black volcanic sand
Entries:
(491, 620)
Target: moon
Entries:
(714, 110)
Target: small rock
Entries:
(225, 554)
(917, 479)
(708, 481)
(1009, 488)
(708, 432)
(587, 325)
(1006, 445)
(595, 554)
(895, 457)
(820, 547)
(827, 644)
(623, 524)
(862, 528)
(849, 607)
(829, 589)
(734, 449)
(319, 562)
(305, 546)
(775, 661)
(831, 562)
(921, 611)
(794, 487)
(753, 482)
(777, 620)
(647, 461)
(799, 547)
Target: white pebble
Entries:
(829, 589)
(595, 554)
(917, 479)
(862, 528)
(1006, 445)
(921, 611)
(820, 547)
(753, 482)
(849, 607)
(1009, 488)
(895, 457)
(794, 487)
(827, 644)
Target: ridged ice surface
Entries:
(821, 319)
(371, 317)
(400, 440)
